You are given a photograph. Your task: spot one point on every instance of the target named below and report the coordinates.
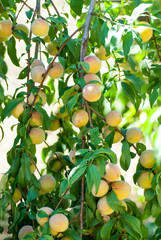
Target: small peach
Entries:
(37, 62)
(44, 220)
(56, 71)
(147, 159)
(117, 135)
(5, 28)
(41, 98)
(16, 112)
(59, 222)
(37, 73)
(47, 183)
(112, 172)
(145, 179)
(122, 189)
(80, 118)
(134, 135)
(103, 189)
(103, 207)
(101, 53)
(91, 92)
(37, 135)
(40, 27)
(94, 63)
(24, 231)
(113, 118)
(36, 119)
(92, 77)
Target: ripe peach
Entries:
(91, 77)
(40, 27)
(36, 119)
(21, 27)
(145, 32)
(56, 161)
(16, 112)
(103, 189)
(56, 71)
(24, 231)
(147, 159)
(122, 189)
(71, 155)
(47, 183)
(37, 135)
(59, 222)
(112, 172)
(94, 63)
(113, 118)
(37, 62)
(134, 135)
(16, 195)
(52, 232)
(55, 124)
(145, 179)
(41, 98)
(101, 53)
(91, 92)
(117, 135)
(52, 49)
(103, 207)
(44, 220)
(80, 118)
(37, 73)
(5, 28)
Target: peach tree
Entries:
(92, 88)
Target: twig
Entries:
(156, 45)
(48, 9)
(38, 42)
(20, 10)
(34, 164)
(97, 113)
(89, 115)
(82, 205)
(56, 10)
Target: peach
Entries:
(145, 179)
(5, 28)
(102, 190)
(112, 172)
(37, 135)
(52, 49)
(16, 112)
(91, 77)
(145, 32)
(113, 118)
(71, 155)
(94, 63)
(24, 231)
(41, 98)
(147, 159)
(36, 119)
(32, 168)
(37, 73)
(39, 27)
(80, 118)
(66, 238)
(47, 183)
(134, 135)
(123, 203)
(56, 161)
(21, 27)
(52, 232)
(117, 135)
(46, 39)
(59, 222)
(55, 124)
(16, 197)
(37, 62)
(3, 39)
(101, 53)
(122, 189)
(42, 220)
(91, 92)
(56, 71)
(103, 207)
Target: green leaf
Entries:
(104, 33)
(125, 159)
(71, 103)
(113, 201)
(11, 49)
(23, 73)
(22, 35)
(138, 83)
(95, 175)
(32, 194)
(3, 66)
(138, 10)
(132, 223)
(74, 48)
(46, 119)
(127, 43)
(76, 6)
(63, 186)
(106, 229)
(96, 32)
(105, 152)
(76, 173)
(89, 217)
(91, 201)
(1, 94)
(29, 14)
(9, 107)
(24, 175)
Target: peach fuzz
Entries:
(91, 92)
(37, 73)
(52, 49)
(43, 220)
(36, 119)
(113, 118)
(134, 135)
(145, 179)
(112, 172)
(59, 222)
(56, 71)
(16, 112)
(37, 135)
(117, 135)
(103, 207)
(16, 195)
(91, 77)
(39, 27)
(41, 98)
(80, 118)
(102, 190)
(147, 159)
(24, 231)
(47, 183)
(37, 62)
(5, 28)
(94, 63)
(122, 189)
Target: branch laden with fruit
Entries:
(91, 87)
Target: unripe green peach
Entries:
(41, 98)
(66, 238)
(94, 63)
(37, 135)
(16, 112)
(145, 179)
(122, 189)
(36, 119)
(147, 159)
(71, 155)
(102, 190)
(92, 77)
(46, 39)
(103, 207)
(56, 162)
(59, 222)
(52, 49)
(91, 92)
(56, 71)
(101, 53)
(145, 32)
(134, 135)
(80, 118)
(37, 62)
(3, 39)
(117, 135)
(112, 172)
(44, 220)
(5, 28)
(21, 27)
(37, 73)
(24, 231)
(32, 168)
(54, 233)
(47, 183)
(40, 27)
(16, 195)
(55, 124)
(113, 118)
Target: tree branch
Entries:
(56, 10)
(20, 10)
(38, 42)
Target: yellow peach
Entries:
(37, 62)
(41, 98)
(5, 28)
(91, 92)
(112, 172)
(56, 162)
(37, 73)
(37, 135)
(122, 189)
(24, 231)
(117, 135)
(102, 190)
(40, 27)
(134, 135)
(16, 197)
(21, 27)
(145, 32)
(145, 179)
(80, 118)
(52, 49)
(147, 159)
(56, 71)
(16, 112)
(47, 183)
(54, 233)
(101, 53)
(55, 124)
(103, 207)
(36, 119)
(42, 220)
(92, 77)
(59, 222)
(113, 118)
(94, 63)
